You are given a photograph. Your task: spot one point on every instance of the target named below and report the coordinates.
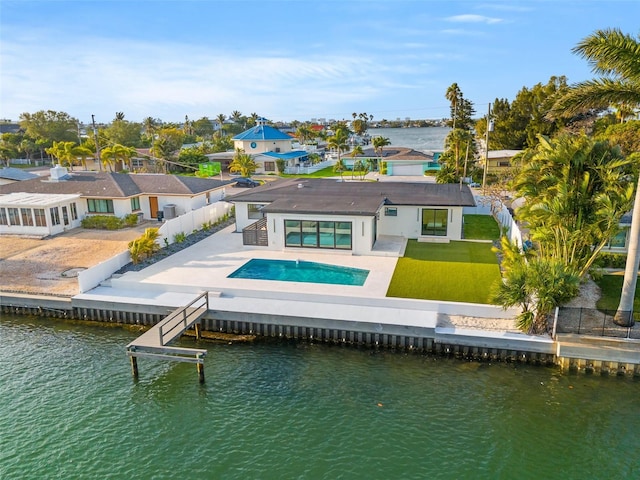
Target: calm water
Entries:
(300, 271)
(421, 139)
(69, 409)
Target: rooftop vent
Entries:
(58, 174)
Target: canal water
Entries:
(70, 409)
(421, 139)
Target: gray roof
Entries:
(116, 185)
(327, 196)
(16, 174)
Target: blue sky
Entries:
(288, 60)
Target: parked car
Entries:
(243, 182)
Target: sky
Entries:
(286, 60)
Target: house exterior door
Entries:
(153, 206)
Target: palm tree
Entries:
(83, 154)
(243, 163)
(339, 167)
(63, 151)
(339, 142)
(221, 118)
(378, 144)
(453, 94)
(236, 116)
(616, 57)
(357, 150)
(118, 154)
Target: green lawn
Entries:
(324, 173)
(456, 272)
(481, 227)
(611, 286)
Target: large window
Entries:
(135, 204)
(269, 166)
(434, 221)
(27, 217)
(100, 206)
(14, 219)
(74, 211)
(55, 216)
(255, 210)
(3, 217)
(313, 234)
(41, 220)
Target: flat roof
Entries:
(23, 199)
(330, 196)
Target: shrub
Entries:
(179, 237)
(103, 222)
(611, 260)
(131, 220)
(145, 246)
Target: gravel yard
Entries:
(50, 265)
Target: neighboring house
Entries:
(267, 145)
(400, 161)
(105, 193)
(348, 216)
(499, 160)
(12, 175)
(39, 214)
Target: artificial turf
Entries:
(455, 271)
(611, 289)
(481, 227)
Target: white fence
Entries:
(310, 169)
(191, 221)
(187, 223)
(501, 214)
(91, 277)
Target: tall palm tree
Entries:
(615, 56)
(453, 94)
(357, 150)
(378, 144)
(83, 154)
(339, 142)
(63, 151)
(221, 118)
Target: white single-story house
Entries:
(267, 145)
(147, 195)
(348, 216)
(400, 161)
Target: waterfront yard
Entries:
(455, 272)
(611, 287)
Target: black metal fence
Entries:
(601, 323)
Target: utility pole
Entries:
(95, 137)
(486, 154)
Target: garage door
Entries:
(407, 169)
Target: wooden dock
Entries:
(155, 343)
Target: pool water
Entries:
(300, 271)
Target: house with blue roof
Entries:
(266, 145)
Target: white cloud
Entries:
(471, 18)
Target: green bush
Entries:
(144, 246)
(179, 237)
(611, 260)
(103, 222)
(131, 220)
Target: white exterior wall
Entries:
(408, 222)
(263, 146)
(361, 231)
(49, 229)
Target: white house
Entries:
(349, 216)
(104, 193)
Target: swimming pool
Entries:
(300, 271)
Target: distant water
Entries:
(69, 409)
(421, 139)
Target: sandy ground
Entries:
(51, 265)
